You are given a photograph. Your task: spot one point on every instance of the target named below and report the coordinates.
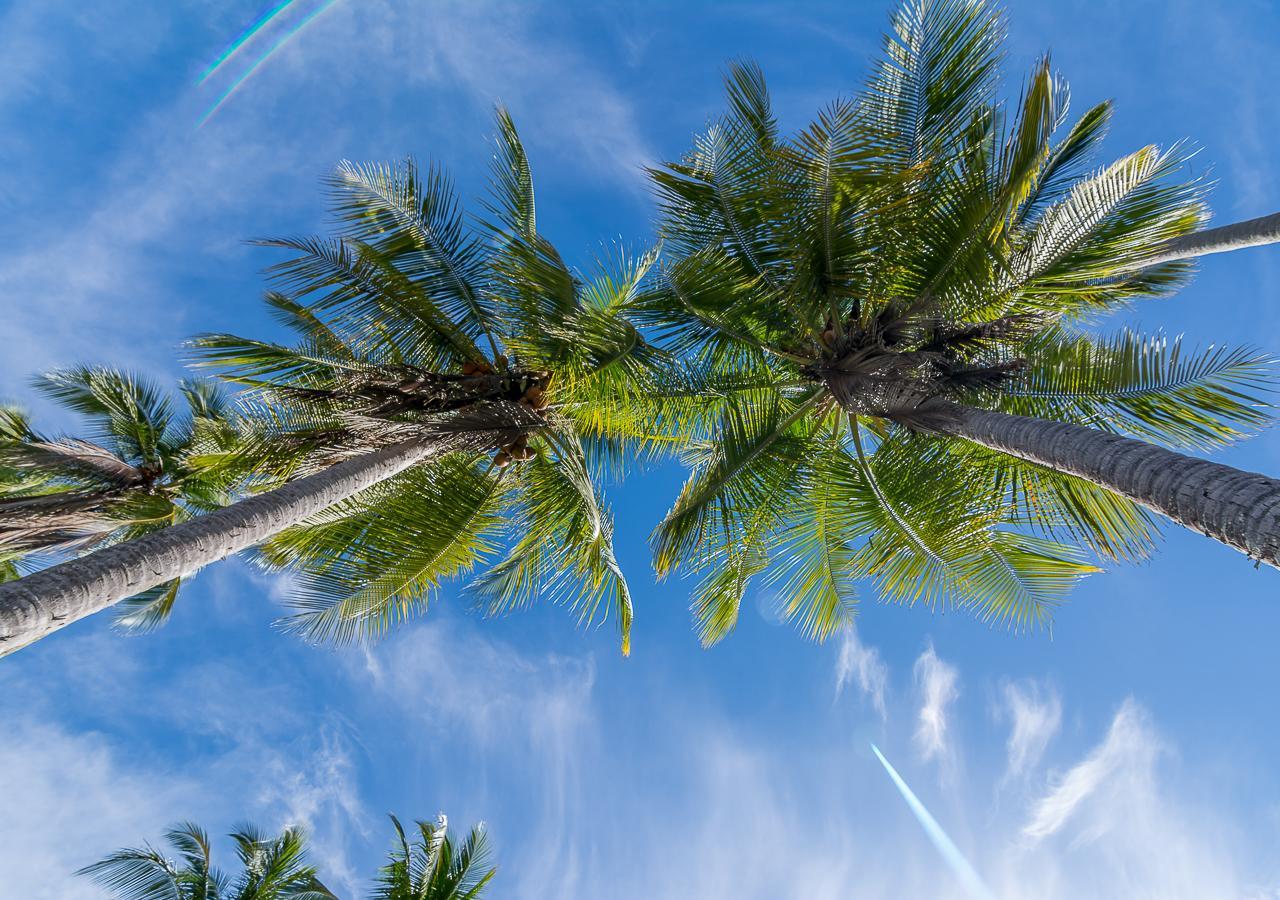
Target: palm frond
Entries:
(564, 546)
(1148, 386)
(372, 561)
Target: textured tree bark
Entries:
(41, 603)
(1240, 509)
(1252, 233)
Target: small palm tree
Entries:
(888, 311)
(432, 867)
(429, 867)
(137, 474)
(270, 869)
(444, 402)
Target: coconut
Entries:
(502, 460)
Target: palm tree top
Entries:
(271, 868)
(415, 320)
(135, 470)
(429, 865)
(917, 249)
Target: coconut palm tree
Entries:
(442, 397)
(270, 869)
(137, 474)
(433, 867)
(893, 307)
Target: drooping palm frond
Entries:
(1146, 385)
(373, 561)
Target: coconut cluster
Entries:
(535, 398)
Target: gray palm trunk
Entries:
(41, 603)
(1237, 236)
(1238, 508)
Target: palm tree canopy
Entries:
(271, 868)
(415, 317)
(920, 245)
(429, 866)
(432, 866)
(135, 471)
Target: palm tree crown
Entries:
(140, 472)
(270, 869)
(844, 295)
(412, 321)
(433, 867)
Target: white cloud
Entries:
(1126, 821)
(1035, 715)
(863, 665)
(104, 266)
(68, 801)
(518, 53)
(212, 740)
(527, 724)
(1129, 750)
(938, 684)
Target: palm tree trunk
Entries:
(1240, 509)
(1252, 233)
(39, 604)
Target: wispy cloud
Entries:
(69, 799)
(856, 663)
(939, 685)
(1034, 714)
(1129, 749)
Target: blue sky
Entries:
(1130, 754)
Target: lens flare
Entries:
(244, 38)
(966, 874)
(280, 42)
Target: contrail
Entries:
(244, 38)
(965, 872)
(284, 39)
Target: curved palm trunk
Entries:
(1240, 509)
(1251, 233)
(34, 606)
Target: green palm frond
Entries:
(938, 71)
(1148, 386)
(756, 452)
(369, 301)
(433, 866)
(128, 413)
(275, 867)
(138, 874)
(564, 543)
(373, 561)
(512, 179)
(415, 222)
(149, 610)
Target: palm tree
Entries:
(137, 475)
(270, 869)
(425, 346)
(891, 310)
(432, 867)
